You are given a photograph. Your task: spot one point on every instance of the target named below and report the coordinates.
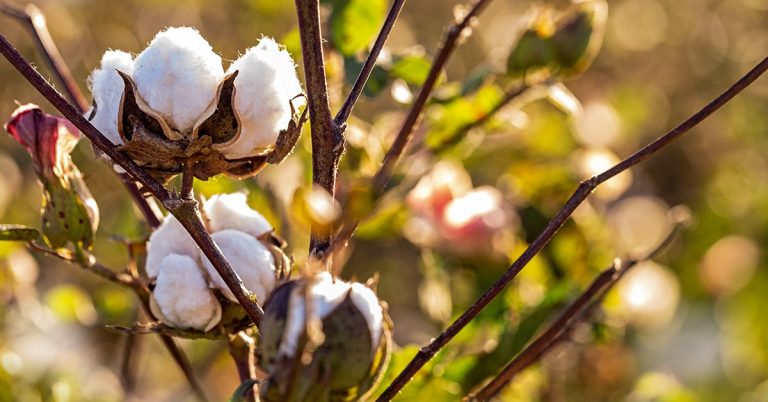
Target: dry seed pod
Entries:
(221, 121)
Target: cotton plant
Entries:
(188, 293)
(174, 105)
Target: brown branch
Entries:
(581, 193)
(370, 62)
(576, 312)
(327, 136)
(241, 348)
(34, 20)
(184, 210)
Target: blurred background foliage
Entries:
(688, 327)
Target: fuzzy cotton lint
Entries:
(185, 277)
(177, 77)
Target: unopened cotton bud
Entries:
(351, 344)
(326, 294)
(169, 238)
(265, 85)
(107, 89)
(178, 75)
(252, 262)
(183, 297)
(231, 211)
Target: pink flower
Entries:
(70, 214)
(449, 213)
(49, 139)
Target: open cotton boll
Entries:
(325, 295)
(107, 89)
(169, 238)
(248, 258)
(183, 296)
(178, 75)
(231, 211)
(265, 85)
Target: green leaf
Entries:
(17, 233)
(412, 69)
(354, 23)
(532, 51)
(241, 393)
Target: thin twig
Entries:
(458, 30)
(509, 95)
(185, 211)
(129, 363)
(370, 62)
(581, 193)
(147, 207)
(448, 44)
(187, 180)
(34, 20)
(576, 312)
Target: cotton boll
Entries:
(183, 296)
(265, 85)
(248, 258)
(231, 211)
(107, 89)
(169, 238)
(177, 75)
(326, 294)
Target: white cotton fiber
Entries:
(169, 238)
(178, 75)
(231, 211)
(366, 301)
(249, 258)
(325, 295)
(265, 85)
(107, 89)
(183, 296)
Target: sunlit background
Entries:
(688, 326)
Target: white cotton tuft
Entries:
(178, 75)
(107, 89)
(366, 301)
(326, 294)
(265, 85)
(183, 296)
(169, 238)
(249, 259)
(231, 211)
